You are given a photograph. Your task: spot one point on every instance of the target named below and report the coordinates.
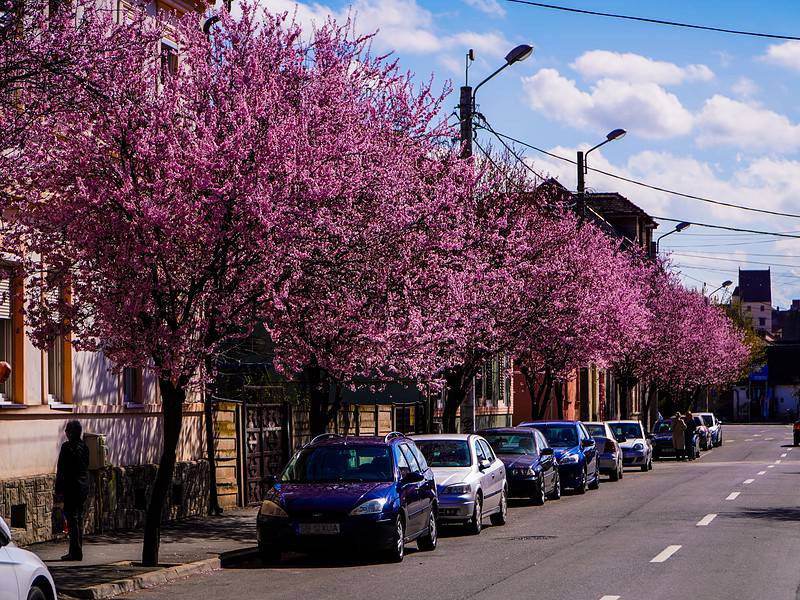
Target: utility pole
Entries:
(465, 109)
(579, 202)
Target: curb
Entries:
(141, 582)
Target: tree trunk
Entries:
(559, 389)
(172, 398)
(456, 392)
(544, 395)
(211, 454)
(319, 391)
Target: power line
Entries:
(735, 260)
(655, 21)
(775, 233)
(774, 274)
(712, 254)
(725, 244)
(650, 186)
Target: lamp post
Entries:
(725, 284)
(581, 163)
(466, 106)
(679, 227)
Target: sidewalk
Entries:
(188, 547)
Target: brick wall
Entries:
(117, 500)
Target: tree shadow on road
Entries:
(781, 514)
(249, 559)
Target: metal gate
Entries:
(266, 439)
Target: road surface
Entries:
(726, 526)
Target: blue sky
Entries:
(710, 114)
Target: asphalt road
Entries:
(722, 527)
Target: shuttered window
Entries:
(5, 299)
(6, 336)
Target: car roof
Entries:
(594, 422)
(444, 436)
(355, 440)
(625, 421)
(523, 430)
(554, 422)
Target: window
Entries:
(55, 370)
(762, 308)
(132, 386)
(762, 321)
(748, 308)
(6, 336)
(402, 462)
(420, 458)
(169, 60)
(479, 451)
(409, 456)
(487, 450)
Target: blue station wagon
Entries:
(351, 492)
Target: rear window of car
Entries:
(708, 420)
(511, 443)
(445, 453)
(595, 430)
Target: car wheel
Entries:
(36, 593)
(555, 494)
(538, 496)
(650, 464)
(398, 549)
(475, 524)
(581, 487)
(500, 517)
(621, 470)
(596, 481)
(428, 541)
(270, 555)
(614, 475)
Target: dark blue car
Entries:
(575, 450)
(373, 493)
(531, 467)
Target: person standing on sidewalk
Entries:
(72, 484)
(678, 435)
(691, 427)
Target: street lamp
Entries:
(725, 284)
(679, 227)
(581, 163)
(466, 106)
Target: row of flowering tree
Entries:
(295, 179)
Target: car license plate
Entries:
(318, 528)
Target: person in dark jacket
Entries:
(691, 427)
(72, 484)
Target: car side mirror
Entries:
(587, 443)
(412, 477)
(5, 533)
(484, 464)
(546, 452)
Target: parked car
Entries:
(575, 451)
(662, 440)
(714, 425)
(531, 467)
(637, 449)
(373, 492)
(470, 479)
(23, 576)
(702, 432)
(609, 453)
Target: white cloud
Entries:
(401, 25)
(635, 68)
(745, 88)
(645, 109)
(490, 7)
(785, 55)
(726, 121)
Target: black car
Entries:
(376, 493)
(531, 468)
(662, 440)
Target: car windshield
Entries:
(511, 443)
(558, 435)
(708, 420)
(326, 464)
(445, 453)
(699, 421)
(626, 430)
(663, 427)
(595, 430)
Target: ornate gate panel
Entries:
(266, 445)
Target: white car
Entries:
(637, 449)
(470, 479)
(23, 576)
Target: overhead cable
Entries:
(655, 21)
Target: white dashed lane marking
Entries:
(665, 554)
(770, 466)
(748, 481)
(777, 462)
(733, 496)
(610, 598)
(761, 472)
(783, 455)
(706, 520)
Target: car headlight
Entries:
(370, 507)
(569, 458)
(638, 446)
(457, 489)
(272, 509)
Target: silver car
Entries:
(609, 453)
(470, 479)
(637, 450)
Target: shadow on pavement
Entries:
(249, 559)
(74, 575)
(784, 514)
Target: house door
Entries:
(266, 444)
